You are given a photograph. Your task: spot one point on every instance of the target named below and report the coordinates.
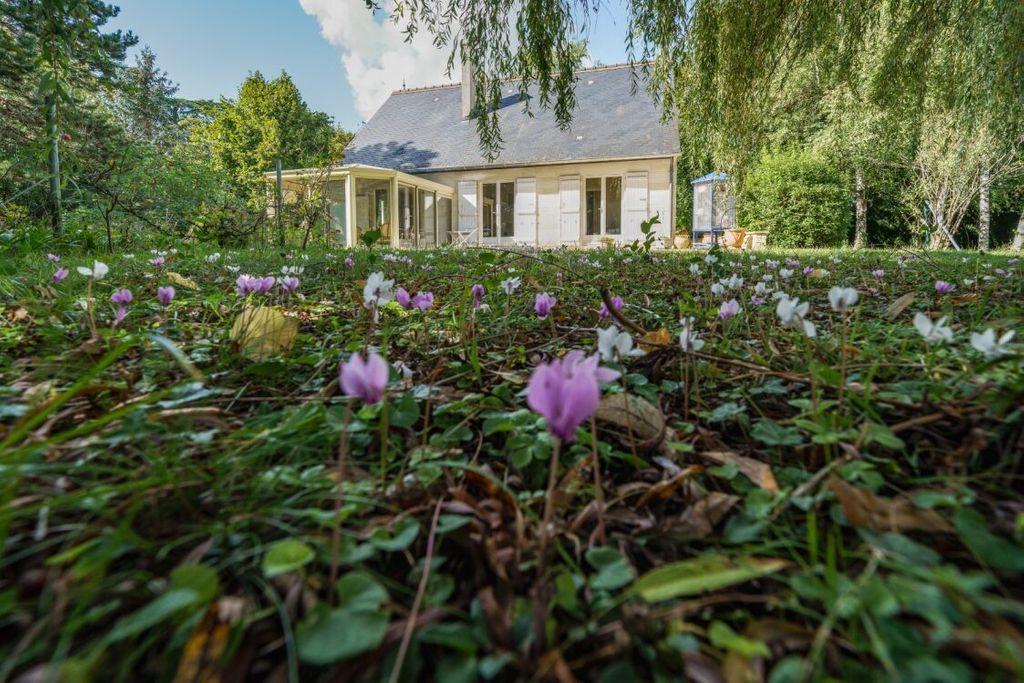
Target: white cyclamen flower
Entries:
(718, 289)
(213, 258)
(761, 288)
(785, 273)
(734, 282)
(986, 343)
(612, 344)
(842, 298)
(694, 269)
(377, 291)
(932, 331)
(710, 260)
(793, 313)
(690, 339)
(511, 284)
(98, 271)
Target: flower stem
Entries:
(383, 439)
(336, 533)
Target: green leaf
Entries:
(991, 549)
(333, 635)
(405, 533)
(725, 638)
(286, 556)
(405, 411)
(197, 577)
(613, 571)
(158, 611)
(770, 433)
(701, 574)
(359, 591)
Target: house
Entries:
(415, 171)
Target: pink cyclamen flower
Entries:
(290, 283)
(349, 262)
(808, 270)
(121, 297)
(60, 275)
(543, 304)
(878, 273)
(120, 315)
(364, 379)
(423, 300)
(53, 258)
(165, 295)
(566, 391)
(403, 298)
(943, 287)
(247, 284)
(792, 262)
(728, 309)
(756, 300)
(158, 261)
(617, 304)
(478, 294)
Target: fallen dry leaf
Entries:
(864, 509)
(900, 305)
(655, 339)
(181, 280)
(754, 470)
(263, 332)
(631, 420)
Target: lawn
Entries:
(787, 493)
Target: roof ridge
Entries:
(586, 69)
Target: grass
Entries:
(771, 507)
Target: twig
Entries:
(410, 625)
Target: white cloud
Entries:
(374, 54)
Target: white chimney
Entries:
(468, 88)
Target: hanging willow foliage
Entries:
(715, 63)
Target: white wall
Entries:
(660, 193)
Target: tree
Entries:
(60, 45)
(716, 63)
(269, 120)
(147, 100)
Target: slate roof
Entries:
(422, 130)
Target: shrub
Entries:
(800, 198)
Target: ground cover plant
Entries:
(511, 465)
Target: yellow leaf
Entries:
(200, 660)
(262, 332)
(181, 280)
(655, 340)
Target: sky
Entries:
(344, 60)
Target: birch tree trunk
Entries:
(860, 232)
(984, 210)
(940, 239)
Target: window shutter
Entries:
(467, 205)
(526, 210)
(569, 203)
(635, 202)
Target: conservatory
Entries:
(407, 210)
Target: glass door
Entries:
(498, 201)
(603, 208)
(408, 228)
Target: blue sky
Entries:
(343, 60)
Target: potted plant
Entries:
(681, 240)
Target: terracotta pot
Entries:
(681, 241)
(734, 238)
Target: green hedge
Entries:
(800, 198)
